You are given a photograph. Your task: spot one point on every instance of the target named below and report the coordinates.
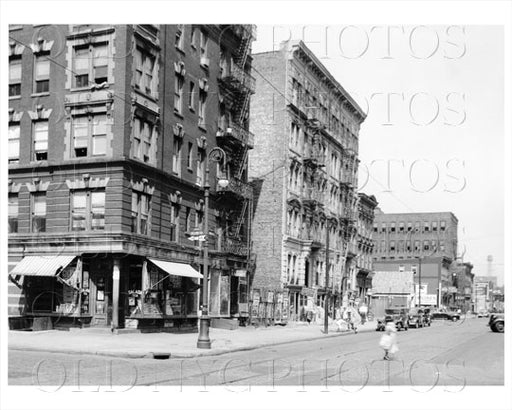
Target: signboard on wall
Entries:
(426, 299)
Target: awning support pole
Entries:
(115, 294)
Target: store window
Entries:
(141, 213)
(87, 210)
(38, 212)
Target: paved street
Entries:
(446, 354)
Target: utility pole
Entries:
(326, 301)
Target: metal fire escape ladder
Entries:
(243, 50)
(243, 161)
(241, 218)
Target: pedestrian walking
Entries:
(363, 311)
(388, 341)
(354, 319)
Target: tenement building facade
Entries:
(110, 131)
(304, 172)
(422, 243)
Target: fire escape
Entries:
(236, 86)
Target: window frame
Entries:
(14, 160)
(87, 210)
(144, 77)
(144, 132)
(138, 215)
(201, 110)
(17, 81)
(35, 151)
(39, 58)
(90, 72)
(179, 83)
(13, 218)
(177, 148)
(90, 137)
(34, 218)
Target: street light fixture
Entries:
(216, 155)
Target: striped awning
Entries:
(176, 269)
(41, 265)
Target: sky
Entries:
(433, 139)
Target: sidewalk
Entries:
(175, 345)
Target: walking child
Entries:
(388, 341)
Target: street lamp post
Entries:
(217, 155)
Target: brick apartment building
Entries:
(304, 171)
(110, 127)
(422, 243)
(364, 260)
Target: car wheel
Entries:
(499, 327)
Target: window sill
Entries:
(14, 97)
(182, 51)
(192, 109)
(45, 94)
(145, 94)
(190, 170)
(178, 114)
(202, 127)
(91, 88)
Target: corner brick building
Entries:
(110, 127)
(304, 173)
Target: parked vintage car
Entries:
(483, 313)
(400, 316)
(497, 322)
(416, 317)
(445, 315)
(427, 317)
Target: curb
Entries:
(213, 352)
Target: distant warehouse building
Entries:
(424, 244)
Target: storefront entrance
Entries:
(97, 277)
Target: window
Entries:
(392, 246)
(375, 227)
(14, 77)
(202, 109)
(90, 135)
(443, 226)
(188, 220)
(426, 245)
(204, 45)
(144, 68)
(409, 226)
(190, 155)
(178, 94)
(416, 246)
(383, 246)
(426, 226)
(180, 35)
(383, 228)
(200, 167)
(42, 74)
(143, 140)
(87, 210)
(141, 207)
(176, 156)
(393, 227)
(199, 220)
(401, 227)
(14, 143)
(417, 226)
(191, 96)
(193, 37)
(38, 214)
(175, 223)
(434, 226)
(13, 213)
(408, 246)
(434, 245)
(41, 140)
(441, 246)
(90, 65)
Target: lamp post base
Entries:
(203, 341)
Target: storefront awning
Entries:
(41, 265)
(177, 269)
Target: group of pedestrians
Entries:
(348, 318)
